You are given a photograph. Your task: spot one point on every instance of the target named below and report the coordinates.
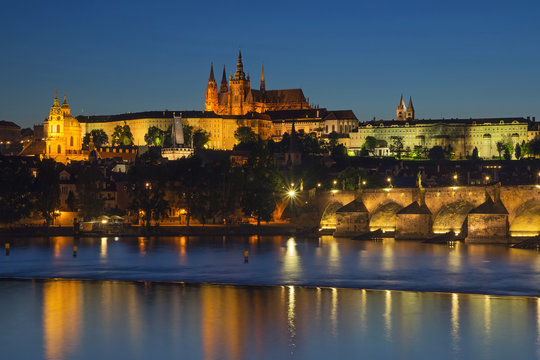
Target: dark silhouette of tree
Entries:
(147, 187)
(507, 155)
(46, 190)
(475, 154)
(370, 144)
(200, 139)
(500, 148)
(436, 153)
(15, 192)
(244, 134)
(90, 183)
(396, 147)
(155, 136)
(517, 152)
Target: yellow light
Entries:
(487, 178)
(318, 184)
(388, 179)
(291, 193)
(334, 191)
(335, 182)
(455, 177)
(292, 184)
(364, 182)
(104, 221)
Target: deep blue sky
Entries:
(455, 58)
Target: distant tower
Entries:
(263, 85)
(65, 107)
(410, 110)
(239, 86)
(211, 102)
(224, 84)
(401, 111)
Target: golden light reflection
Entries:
(291, 261)
(454, 257)
(387, 315)
(334, 312)
(59, 243)
(103, 248)
(363, 310)
(182, 243)
(388, 257)
(538, 325)
(142, 246)
(62, 309)
(487, 317)
(454, 317)
(291, 307)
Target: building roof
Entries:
(415, 208)
(479, 121)
(36, 147)
(4, 123)
(284, 96)
(354, 206)
(340, 115)
(164, 115)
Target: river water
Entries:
(294, 298)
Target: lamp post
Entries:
(389, 181)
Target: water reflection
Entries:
(103, 248)
(89, 320)
(291, 262)
(62, 311)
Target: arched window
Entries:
(58, 128)
(59, 148)
(71, 141)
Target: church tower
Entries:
(224, 85)
(63, 139)
(410, 110)
(211, 101)
(263, 85)
(239, 86)
(401, 110)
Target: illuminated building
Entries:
(63, 137)
(462, 135)
(236, 97)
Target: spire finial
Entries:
(65, 98)
(56, 98)
(224, 85)
(239, 74)
(212, 72)
(263, 84)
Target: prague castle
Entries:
(461, 135)
(236, 97)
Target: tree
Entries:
(46, 190)
(90, 182)
(71, 201)
(245, 134)
(436, 153)
(349, 178)
(147, 188)
(500, 148)
(370, 144)
(507, 155)
(475, 154)
(99, 137)
(260, 186)
(155, 136)
(200, 139)
(333, 141)
(188, 135)
(15, 192)
(396, 147)
(518, 152)
(122, 136)
(310, 144)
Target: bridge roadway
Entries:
(449, 206)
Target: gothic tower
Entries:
(401, 110)
(410, 110)
(211, 101)
(239, 86)
(263, 85)
(224, 85)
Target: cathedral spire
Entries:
(410, 110)
(401, 109)
(263, 85)
(56, 99)
(239, 74)
(224, 85)
(212, 73)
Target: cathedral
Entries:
(236, 97)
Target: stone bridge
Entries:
(475, 212)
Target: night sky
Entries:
(455, 58)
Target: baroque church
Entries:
(236, 97)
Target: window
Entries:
(59, 148)
(71, 141)
(57, 128)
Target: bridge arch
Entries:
(384, 217)
(452, 217)
(329, 218)
(527, 219)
